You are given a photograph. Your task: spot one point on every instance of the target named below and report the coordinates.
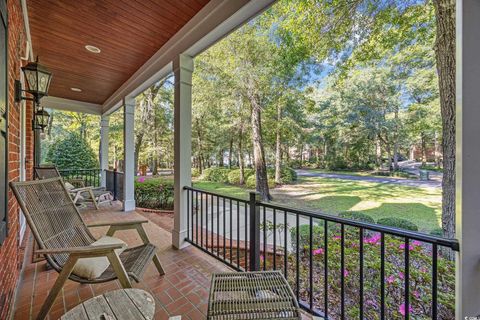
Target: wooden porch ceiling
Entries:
(127, 32)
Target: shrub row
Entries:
(304, 235)
(232, 176)
(154, 193)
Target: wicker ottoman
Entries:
(251, 295)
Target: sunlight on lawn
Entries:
(421, 206)
(379, 200)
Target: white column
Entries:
(104, 126)
(182, 68)
(468, 155)
(128, 144)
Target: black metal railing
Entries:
(91, 177)
(338, 268)
(114, 183)
(212, 221)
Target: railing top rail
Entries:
(450, 243)
(216, 194)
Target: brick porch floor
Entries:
(182, 291)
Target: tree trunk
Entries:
(424, 148)
(138, 145)
(220, 158)
(301, 155)
(155, 166)
(378, 153)
(395, 142)
(436, 150)
(278, 147)
(389, 154)
(445, 58)
(258, 151)
(241, 162)
(50, 124)
(200, 148)
(230, 154)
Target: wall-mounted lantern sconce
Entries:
(38, 81)
(40, 119)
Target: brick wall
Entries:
(11, 252)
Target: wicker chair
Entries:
(63, 237)
(94, 195)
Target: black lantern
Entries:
(40, 120)
(38, 81)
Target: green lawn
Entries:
(419, 205)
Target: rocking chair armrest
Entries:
(80, 189)
(78, 181)
(118, 223)
(83, 251)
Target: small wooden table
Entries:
(123, 304)
(251, 295)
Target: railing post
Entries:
(115, 184)
(254, 252)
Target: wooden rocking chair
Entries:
(64, 238)
(78, 189)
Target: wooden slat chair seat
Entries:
(81, 191)
(63, 237)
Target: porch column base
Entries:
(129, 205)
(178, 239)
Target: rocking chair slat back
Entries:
(46, 172)
(52, 216)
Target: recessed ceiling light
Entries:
(76, 89)
(92, 49)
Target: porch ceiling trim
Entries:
(215, 21)
(71, 105)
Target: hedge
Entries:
(154, 193)
(398, 223)
(216, 174)
(357, 216)
(251, 182)
(234, 175)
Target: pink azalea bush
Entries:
(420, 275)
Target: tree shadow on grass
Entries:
(423, 216)
(335, 204)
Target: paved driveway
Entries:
(386, 180)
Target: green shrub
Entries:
(154, 193)
(304, 236)
(357, 216)
(437, 232)
(72, 152)
(420, 273)
(216, 174)
(195, 173)
(287, 174)
(398, 223)
(234, 175)
(251, 182)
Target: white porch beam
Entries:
(183, 69)
(104, 128)
(128, 145)
(468, 152)
(71, 105)
(216, 20)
